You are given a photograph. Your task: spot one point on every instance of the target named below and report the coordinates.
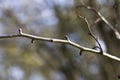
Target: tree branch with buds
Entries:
(65, 41)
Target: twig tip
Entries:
(32, 40)
(20, 31)
(67, 38)
(80, 53)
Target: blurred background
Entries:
(22, 60)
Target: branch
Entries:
(65, 41)
(102, 18)
(91, 33)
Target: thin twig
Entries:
(80, 53)
(33, 37)
(91, 33)
(102, 18)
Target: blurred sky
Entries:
(35, 12)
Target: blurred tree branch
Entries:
(101, 17)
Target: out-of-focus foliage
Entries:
(22, 60)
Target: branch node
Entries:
(89, 33)
(96, 21)
(80, 53)
(32, 40)
(20, 31)
(96, 39)
(95, 47)
(67, 38)
(51, 40)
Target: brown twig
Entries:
(65, 41)
(91, 33)
(102, 18)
